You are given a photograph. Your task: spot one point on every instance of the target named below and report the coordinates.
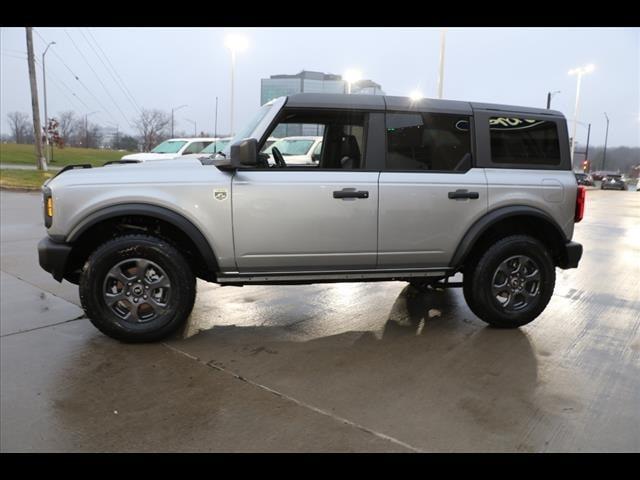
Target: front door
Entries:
(316, 217)
(304, 221)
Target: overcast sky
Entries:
(167, 67)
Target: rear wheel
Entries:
(511, 283)
(137, 288)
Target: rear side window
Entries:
(523, 141)
(428, 141)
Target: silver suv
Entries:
(403, 190)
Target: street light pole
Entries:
(586, 152)
(549, 97)
(46, 116)
(175, 109)
(606, 137)
(577, 71)
(443, 36)
(235, 43)
(215, 127)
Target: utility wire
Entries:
(58, 78)
(108, 70)
(105, 109)
(99, 80)
(123, 85)
(23, 56)
(13, 55)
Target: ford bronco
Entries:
(405, 190)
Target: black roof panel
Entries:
(382, 102)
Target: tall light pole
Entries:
(443, 37)
(352, 76)
(44, 89)
(578, 71)
(235, 43)
(549, 97)
(215, 125)
(606, 137)
(175, 109)
(586, 150)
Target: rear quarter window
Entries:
(523, 141)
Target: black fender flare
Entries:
(484, 223)
(154, 211)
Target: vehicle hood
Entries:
(158, 172)
(149, 156)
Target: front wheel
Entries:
(511, 283)
(137, 288)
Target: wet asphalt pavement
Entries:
(376, 367)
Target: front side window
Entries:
(428, 141)
(292, 146)
(524, 141)
(169, 146)
(340, 136)
(249, 128)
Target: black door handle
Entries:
(351, 194)
(461, 194)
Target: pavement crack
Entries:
(37, 286)
(300, 403)
(79, 317)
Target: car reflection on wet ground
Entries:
(335, 367)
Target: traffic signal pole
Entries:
(586, 151)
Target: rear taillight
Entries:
(580, 199)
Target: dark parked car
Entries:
(584, 179)
(613, 182)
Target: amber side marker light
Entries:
(580, 200)
(50, 207)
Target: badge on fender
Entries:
(220, 194)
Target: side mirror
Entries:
(244, 153)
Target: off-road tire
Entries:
(181, 292)
(479, 276)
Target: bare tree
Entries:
(152, 125)
(67, 125)
(19, 123)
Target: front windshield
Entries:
(249, 127)
(290, 146)
(215, 147)
(169, 146)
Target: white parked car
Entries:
(297, 150)
(270, 141)
(214, 147)
(172, 148)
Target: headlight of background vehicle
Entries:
(48, 206)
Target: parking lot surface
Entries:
(376, 367)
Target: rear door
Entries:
(430, 191)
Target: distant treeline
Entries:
(623, 159)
